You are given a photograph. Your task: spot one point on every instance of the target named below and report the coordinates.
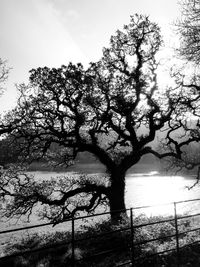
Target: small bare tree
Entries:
(4, 70)
(189, 29)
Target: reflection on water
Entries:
(144, 190)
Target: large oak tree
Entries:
(114, 109)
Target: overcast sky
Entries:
(37, 33)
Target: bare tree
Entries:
(4, 70)
(114, 110)
(7, 123)
(189, 29)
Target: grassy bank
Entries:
(105, 244)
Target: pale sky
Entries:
(37, 33)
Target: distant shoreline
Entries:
(144, 170)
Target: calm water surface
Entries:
(158, 189)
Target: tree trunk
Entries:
(117, 197)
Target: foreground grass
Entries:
(104, 245)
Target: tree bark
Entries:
(117, 196)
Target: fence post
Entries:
(73, 245)
(177, 235)
(132, 237)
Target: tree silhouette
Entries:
(114, 110)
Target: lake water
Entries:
(148, 189)
(141, 190)
(144, 189)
